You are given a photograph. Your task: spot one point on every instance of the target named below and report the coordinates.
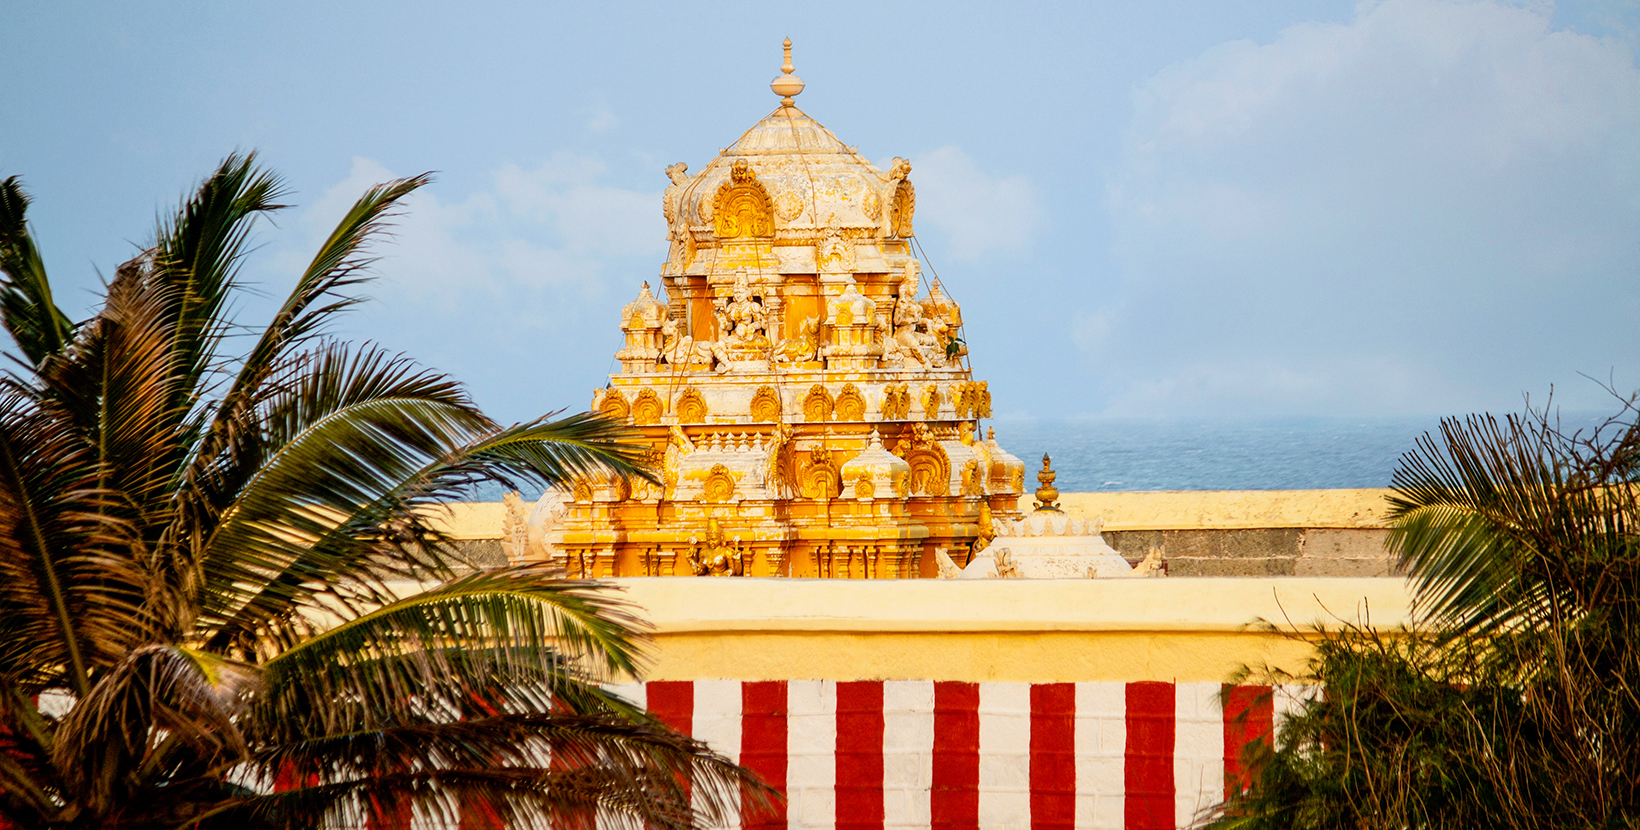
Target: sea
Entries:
(1093, 454)
(1219, 454)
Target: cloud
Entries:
(553, 226)
(1432, 207)
(488, 284)
(977, 213)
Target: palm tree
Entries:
(1515, 702)
(211, 566)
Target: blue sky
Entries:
(1199, 209)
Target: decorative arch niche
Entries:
(742, 207)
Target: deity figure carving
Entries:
(1152, 565)
(779, 470)
(515, 530)
(911, 343)
(741, 317)
(716, 555)
(943, 320)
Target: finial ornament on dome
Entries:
(787, 85)
(1047, 496)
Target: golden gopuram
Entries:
(805, 391)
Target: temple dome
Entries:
(811, 181)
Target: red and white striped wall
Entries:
(864, 755)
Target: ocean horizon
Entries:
(1139, 454)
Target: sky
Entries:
(1172, 209)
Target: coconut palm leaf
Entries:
(70, 597)
(517, 630)
(528, 769)
(26, 307)
(197, 256)
(1498, 529)
(315, 299)
(222, 560)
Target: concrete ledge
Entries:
(1039, 631)
(679, 604)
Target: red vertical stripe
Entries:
(954, 802)
(860, 755)
(1053, 756)
(763, 745)
(1148, 777)
(673, 702)
(1249, 717)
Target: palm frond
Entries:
(70, 595)
(163, 714)
(39, 327)
(525, 636)
(530, 769)
(304, 506)
(315, 299)
(198, 252)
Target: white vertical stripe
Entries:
(811, 753)
(717, 722)
(1101, 754)
(1198, 750)
(908, 753)
(1004, 756)
(1288, 699)
(637, 693)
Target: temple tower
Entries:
(803, 387)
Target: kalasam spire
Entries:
(787, 85)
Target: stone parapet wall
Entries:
(1323, 533)
(1283, 551)
(1242, 533)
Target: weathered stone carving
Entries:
(678, 175)
(931, 402)
(896, 402)
(647, 409)
(817, 405)
(904, 201)
(851, 406)
(765, 404)
(803, 346)
(691, 408)
(820, 478)
(719, 485)
(682, 352)
(742, 207)
(614, 406)
(788, 205)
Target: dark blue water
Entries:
(1278, 454)
(1171, 454)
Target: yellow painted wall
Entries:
(1232, 509)
(1177, 629)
